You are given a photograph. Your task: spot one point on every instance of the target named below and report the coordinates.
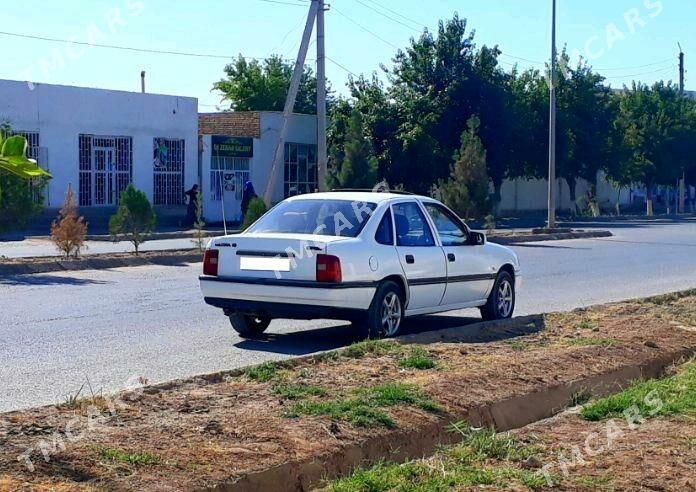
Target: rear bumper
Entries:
(288, 299)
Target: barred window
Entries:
(228, 174)
(301, 174)
(168, 165)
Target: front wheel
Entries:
(386, 312)
(249, 326)
(501, 301)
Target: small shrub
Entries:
(134, 217)
(257, 207)
(69, 231)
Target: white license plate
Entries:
(264, 264)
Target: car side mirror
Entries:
(477, 238)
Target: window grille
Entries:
(168, 166)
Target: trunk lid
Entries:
(265, 255)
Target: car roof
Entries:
(357, 196)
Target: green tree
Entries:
(654, 125)
(257, 208)
(263, 86)
(19, 178)
(467, 190)
(134, 217)
(352, 163)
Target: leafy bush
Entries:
(16, 202)
(134, 217)
(257, 207)
(69, 231)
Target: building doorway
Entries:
(106, 168)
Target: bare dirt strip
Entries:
(286, 426)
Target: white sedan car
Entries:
(370, 258)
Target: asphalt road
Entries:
(59, 331)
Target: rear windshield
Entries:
(321, 217)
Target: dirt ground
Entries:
(659, 454)
(207, 431)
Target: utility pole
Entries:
(322, 154)
(277, 167)
(551, 221)
(682, 182)
(681, 70)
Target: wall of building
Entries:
(523, 195)
(301, 129)
(61, 113)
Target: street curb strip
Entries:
(28, 266)
(532, 238)
(404, 444)
(101, 262)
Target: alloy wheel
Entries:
(505, 299)
(391, 314)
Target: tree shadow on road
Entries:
(38, 279)
(468, 330)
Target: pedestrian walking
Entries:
(192, 196)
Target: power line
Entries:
(280, 2)
(131, 48)
(637, 66)
(397, 13)
(377, 36)
(640, 74)
(341, 66)
(386, 16)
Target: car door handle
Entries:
(410, 259)
(451, 257)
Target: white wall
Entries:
(521, 195)
(301, 129)
(61, 113)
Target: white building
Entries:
(98, 140)
(239, 147)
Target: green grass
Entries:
(123, 457)
(419, 359)
(365, 407)
(596, 482)
(590, 342)
(656, 397)
(453, 467)
(296, 391)
(377, 347)
(586, 324)
(262, 373)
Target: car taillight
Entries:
(328, 269)
(210, 262)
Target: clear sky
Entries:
(625, 39)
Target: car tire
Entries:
(501, 301)
(386, 313)
(249, 326)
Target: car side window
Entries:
(411, 227)
(451, 231)
(385, 230)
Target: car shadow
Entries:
(330, 338)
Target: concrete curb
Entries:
(414, 443)
(100, 262)
(558, 236)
